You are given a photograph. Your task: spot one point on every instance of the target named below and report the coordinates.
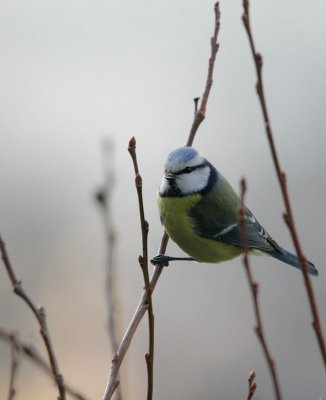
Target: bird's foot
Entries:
(163, 260)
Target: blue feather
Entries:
(183, 154)
(293, 260)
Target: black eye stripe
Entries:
(188, 170)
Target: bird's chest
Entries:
(175, 216)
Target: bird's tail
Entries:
(293, 260)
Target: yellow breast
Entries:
(179, 225)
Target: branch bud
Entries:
(259, 59)
(132, 143)
(252, 376)
(253, 387)
(243, 185)
(286, 218)
(283, 177)
(138, 180)
(141, 260)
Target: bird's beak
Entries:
(169, 176)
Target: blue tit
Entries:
(199, 210)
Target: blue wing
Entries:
(258, 237)
(215, 217)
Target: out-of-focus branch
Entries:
(29, 352)
(40, 315)
(13, 367)
(252, 386)
(288, 215)
(104, 200)
(143, 262)
(142, 306)
(254, 291)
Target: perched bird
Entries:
(199, 210)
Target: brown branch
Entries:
(29, 352)
(13, 367)
(255, 291)
(288, 215)
(123, 348)
(201, 113)
(143, 262)
(141, 309)
(127, 338)
(137, 317)
(40, 315)
(252, 385)
(143, 304)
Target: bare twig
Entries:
(13, 368)
(137, 317)
(142, 306)
(201, 113)
(104, 200)
(29, 352)
(123, 347)
(288, 215)
(40, 315)
(252, 386)
(254, 291)
(143, 262)
(127, 338)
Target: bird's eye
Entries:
(187, 170)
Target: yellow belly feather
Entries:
(179, 225)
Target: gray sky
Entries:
(75, 72)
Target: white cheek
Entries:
(164, 186)
(193, 182)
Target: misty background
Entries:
(75, 72)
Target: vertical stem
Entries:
(254, 292)
(288, 215)
(143, 262)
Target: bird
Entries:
(199, 211)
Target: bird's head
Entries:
(186, 172)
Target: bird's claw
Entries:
(161, 260)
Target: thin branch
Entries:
(201, 113)
(40, 315)
(288, 215)
(137, 317)
(143, 304)
(29, 352)
(143, 262)
(13, 368)
(113, 383)
(252, 385)
(104, 200)
(255, 291)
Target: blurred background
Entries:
(77, 72)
